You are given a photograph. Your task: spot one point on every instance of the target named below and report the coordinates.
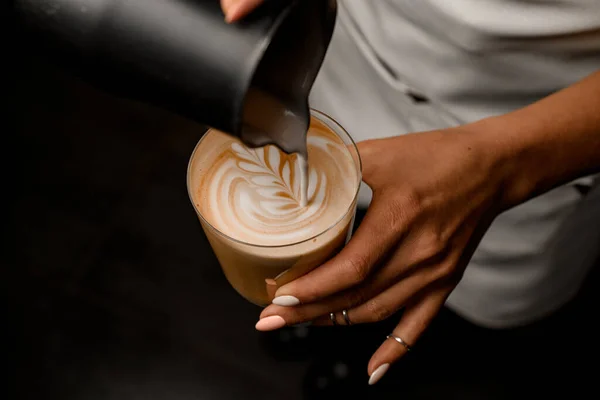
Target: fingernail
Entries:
(270, 323)
(378, 373)
(286, 301)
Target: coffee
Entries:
(252, 209)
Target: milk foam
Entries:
(256, 196)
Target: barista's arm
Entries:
(428, 214)
(550, 142)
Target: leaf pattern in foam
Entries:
(264, 164)
(242, 152)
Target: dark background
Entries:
(112, 291)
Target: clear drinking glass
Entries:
(256, 271)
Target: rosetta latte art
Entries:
(255, 195)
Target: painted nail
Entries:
(378, 373)
(286, 301)
(270, 323)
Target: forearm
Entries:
(548, 143)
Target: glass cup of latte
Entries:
(264, 225)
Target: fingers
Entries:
(374, 301)
(376, 235)
(226, 5)
(415, 320)
(236, 9)
(390, 301)
(384, 305)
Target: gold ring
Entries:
(346, 317)
(332, 318)
(399, 340)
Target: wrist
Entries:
(509, 157)
(546, 144)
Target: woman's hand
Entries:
(434, 195)
(236, 9)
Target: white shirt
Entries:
(473, 59)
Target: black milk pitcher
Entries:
(243, 78)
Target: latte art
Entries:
(256, 195)
(266, 223)
(278, 181)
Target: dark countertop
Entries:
(113, 291)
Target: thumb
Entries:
(370, 152)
